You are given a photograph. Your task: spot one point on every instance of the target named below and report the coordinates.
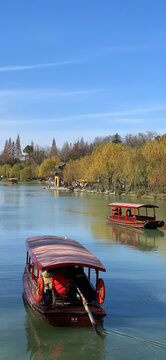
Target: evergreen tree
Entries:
(8, 155)
(28, 150)
(54, 150)
(10, 149)
(32, 145)
(18, 153)
(116, 139)
(5, 154)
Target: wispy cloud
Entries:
(37, 66)
(138, 111)
(59, 120)
(123, 115)
(126, 116)
(84, 56)
(51, 93)
(46, 93)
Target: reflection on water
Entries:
(47, 342)
(141, 239)
(56, 193)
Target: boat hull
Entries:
(147, 224)
(67, 315)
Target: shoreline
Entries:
(159, 196)
(139, 193)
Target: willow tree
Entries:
(16, 169)
(48, 166)
(134, 169)
(155, 154)
(92, 166)
(107, 163)
(5, 170)
(71, 172)
(85, 166)
(25, 173)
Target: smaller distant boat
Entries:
(12, 180)
(130, 214)
(58, 282)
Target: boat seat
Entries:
(59, 300)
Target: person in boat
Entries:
(47, 296)
(61, 281)
(116, 211)
(47, 280)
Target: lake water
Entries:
(135, 326)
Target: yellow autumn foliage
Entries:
(48, 166)
(111, 165)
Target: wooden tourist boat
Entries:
(57, 282)
(12, 180)
(130, 214)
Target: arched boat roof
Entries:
(52, 251)
(132, 206)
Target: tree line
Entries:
(113, 163)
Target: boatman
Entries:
(61, 282)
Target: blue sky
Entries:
(73, 68)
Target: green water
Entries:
(135, 326)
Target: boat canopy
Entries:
(52, 251)
(132, 206)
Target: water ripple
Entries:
(145, 342)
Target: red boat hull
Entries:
(66, 315)
(153, 224)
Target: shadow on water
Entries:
(48, 342)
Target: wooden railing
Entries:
(124, 218)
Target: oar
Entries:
(88, 311)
